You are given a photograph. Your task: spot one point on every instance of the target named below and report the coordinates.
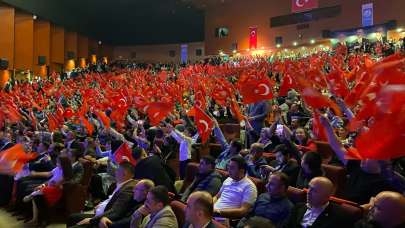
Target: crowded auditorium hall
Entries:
(202, 113)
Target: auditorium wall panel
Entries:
(57, 48)
(82, 46)
(239, 15)
(159, 53)
(70, 44)
(24, 41)
(7, 34)
(42, 44)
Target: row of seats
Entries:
(296, 195)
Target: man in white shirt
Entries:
(238, 193)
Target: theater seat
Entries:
(260, 185)
(338, 177)
(355, 212)
(179, 209)
(215, 149)
(223, 173)
(296, 195)
(325, 151)
(191, 172)
(231, 131)
(269, 156)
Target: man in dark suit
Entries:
(141, 190)
(199, 210)
(151, 168)
(318, 212)
(116, 206)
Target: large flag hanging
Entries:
(204, 124)
(303, 5)
(253, 38)
(13, 159)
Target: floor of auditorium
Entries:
(8, 221)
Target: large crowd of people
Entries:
(129, 135)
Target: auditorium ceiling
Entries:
(124, 22)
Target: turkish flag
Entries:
(256, 90)
(124, 153)
(318, 129)
(253, 38)
(157, 111)
(286, 85)
(303, 5)
(13, 159)
(204, 124)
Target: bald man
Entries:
(199, 210)
(387, 210)
(318, 212)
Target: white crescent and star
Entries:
(203, 122)
(301, 3)
(266, 90)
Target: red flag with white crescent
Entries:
(303, 5)
(253, 38)
(256, 90)
(204, 124)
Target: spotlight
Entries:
(99, 42)
(312, 41)
(34, 17)
(278, 45)
(295, 43)
(400, 29)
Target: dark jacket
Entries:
(119, 205)
(291, 169)
(332, 217)
(210, 183)
(78, 172)
(153, 169)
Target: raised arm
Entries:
(333, 140)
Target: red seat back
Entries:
(231, 131)
(296, 195)
(191, 172)
(338, 177)
(179, 210)
(325, 151)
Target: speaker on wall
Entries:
(41, 60)
(70, 55)
(3, 64)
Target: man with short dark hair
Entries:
(255, 160)
(238, 193)
(273, 205)
(207, 179)
(156, 212)
(199, 210)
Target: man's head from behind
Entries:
(236, 147)
(207, 164)
(199, 208)
(157, 199)
(142, 188)
(388, 209)
(256, 150)
(319, 191)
